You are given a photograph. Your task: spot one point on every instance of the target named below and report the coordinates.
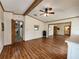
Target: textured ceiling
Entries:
(16, 6)
(62, 8)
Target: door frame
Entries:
(12, 30)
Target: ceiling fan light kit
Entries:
(46, 14)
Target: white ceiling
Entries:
(16, 6)
(62, 8)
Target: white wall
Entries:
(30, 33)
(61, 29)
(7, 26)
(74, 25)
(1, 32)
(61, 26)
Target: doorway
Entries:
(50, 30)
(55, 30)
(67, 30)
(17, 31)
(59, 29)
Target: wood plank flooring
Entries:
(50, 48)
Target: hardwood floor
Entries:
(50, 48)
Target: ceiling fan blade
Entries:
(51, 12)
(42, 11)
(50, 9)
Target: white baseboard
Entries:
(33, 39)
(1, 49)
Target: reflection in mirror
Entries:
(19, 30)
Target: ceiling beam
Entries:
(34, 4)
(2, 6)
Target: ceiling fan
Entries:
(47, 11)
